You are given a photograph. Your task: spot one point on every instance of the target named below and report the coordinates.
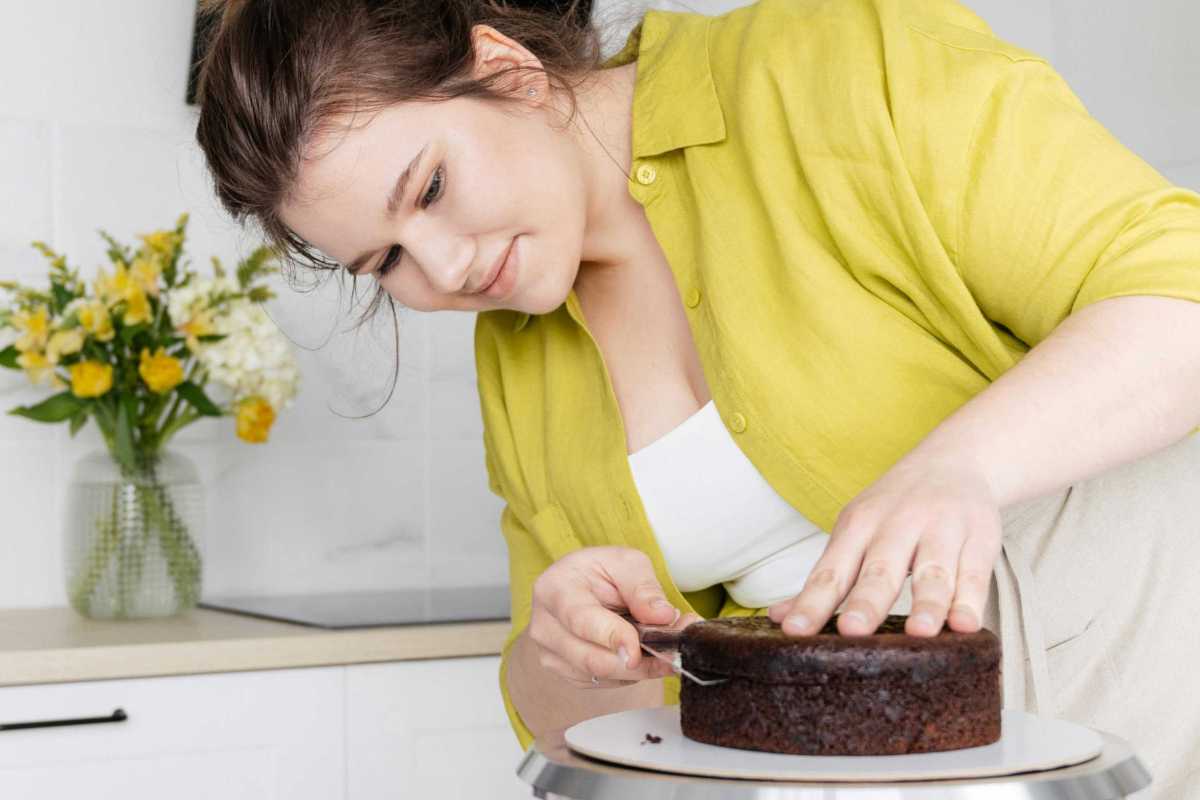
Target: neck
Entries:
(616, 222)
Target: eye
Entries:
(389, 261)
(436, 188)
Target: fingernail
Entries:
(678, 614)
(798, 622)
(926, 617)
(624, 656)
(659, 602)
(857, 615)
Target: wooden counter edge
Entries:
(321, 648)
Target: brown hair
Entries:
(277, 75)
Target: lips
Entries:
(494, 272)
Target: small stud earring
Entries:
(533, 91)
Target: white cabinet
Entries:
(425, 729)
(404, 730)
(236, 736)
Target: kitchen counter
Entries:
(55, 645)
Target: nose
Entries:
(448, 269)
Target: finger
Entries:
(632, 573)
(935, 567)
(879, 580)
(975, 563)
(583, 618)
(590, 658)
(552, 663)
(829, 580)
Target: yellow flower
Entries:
(96, 320)
(37, 368)
(161, 241)
(145, 273)
(161, 372)
(112, 289)
(254, 419)
(63, 343)
(90, 378)
(35, 327)
(199, 325)
(138, 308)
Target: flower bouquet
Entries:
(136, 354)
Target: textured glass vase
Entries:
(132, 538)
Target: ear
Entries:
(495, 52)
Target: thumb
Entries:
(646, 600)
(640, 589)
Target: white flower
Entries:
(187, 301)
(254, 358)
(75, 305)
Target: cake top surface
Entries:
(756, 647)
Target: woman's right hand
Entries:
(575, 620)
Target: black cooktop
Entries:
(372, 609)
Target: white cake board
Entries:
(1027, 743)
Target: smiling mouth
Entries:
(499, 269)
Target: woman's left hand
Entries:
(931, 513)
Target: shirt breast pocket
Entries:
(553, 531)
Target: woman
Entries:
(806, 307)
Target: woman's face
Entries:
(483, 178)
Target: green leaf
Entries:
(8, 357)
(123, 441)
(197, 399)
(260, 261)
(77, 422)
(62, 296)
(53, 409)
(128, 333)
(211, 337)
(116, 250)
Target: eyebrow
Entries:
(399, 192)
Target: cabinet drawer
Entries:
(274, 733)
(421, 729)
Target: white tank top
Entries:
(717, 520)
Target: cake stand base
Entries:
(552, 769)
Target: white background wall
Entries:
(94, 133)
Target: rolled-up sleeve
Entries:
(1055, 213)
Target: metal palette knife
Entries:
(665, 641)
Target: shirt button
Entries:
(737, 422)
(693, 297)
(645, 174)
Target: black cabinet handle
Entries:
(117, 716)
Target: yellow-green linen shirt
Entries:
(872, 208)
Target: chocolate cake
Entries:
(828, 694)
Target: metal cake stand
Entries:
(554, 770)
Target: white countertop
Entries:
(55, 645)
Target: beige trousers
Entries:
(1095, 601)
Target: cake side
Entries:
(895, 694)
(756, 647)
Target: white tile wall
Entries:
(94, 134)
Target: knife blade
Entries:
(665, 641)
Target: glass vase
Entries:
(132, 537)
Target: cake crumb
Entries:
(651, 738)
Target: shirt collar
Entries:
(674, 99)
